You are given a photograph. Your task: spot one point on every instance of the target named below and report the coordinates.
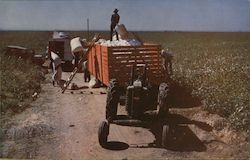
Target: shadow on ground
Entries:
(179, 136)
(116, 145)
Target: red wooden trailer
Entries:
(107, 62)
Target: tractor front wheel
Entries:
(103, 133)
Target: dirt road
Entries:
(74, 117)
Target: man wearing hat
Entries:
(114, 21)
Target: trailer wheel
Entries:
(103, 133)
(112, 99)
(165, 136)
(163, 94)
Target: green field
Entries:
(215, 66)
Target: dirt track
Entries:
(75, 117)
(77, 121)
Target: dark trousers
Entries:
(86, 75)
(112, 27)
(77, 57)
(168, 67)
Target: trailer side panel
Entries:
(106, 63)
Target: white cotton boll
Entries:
(121, 42)
(134, 42)
(100, 41)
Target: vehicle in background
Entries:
(60, 44)
(25, 54)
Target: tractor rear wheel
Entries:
(165, 136)
(128, 101)
(103, 133)
(112, 99)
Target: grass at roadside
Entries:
(19, 81)
(217, 68)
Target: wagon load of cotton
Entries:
(120, 42)
(123, 38)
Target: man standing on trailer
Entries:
(114, 21)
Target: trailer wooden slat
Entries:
(133, 56)
(147, 59)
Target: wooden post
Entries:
(87, 29)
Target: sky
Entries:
(138, 15)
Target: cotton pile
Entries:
(121, 42)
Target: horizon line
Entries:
(63, 30)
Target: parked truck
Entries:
(60, 44)
(25, 54)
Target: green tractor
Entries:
(142, 100)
